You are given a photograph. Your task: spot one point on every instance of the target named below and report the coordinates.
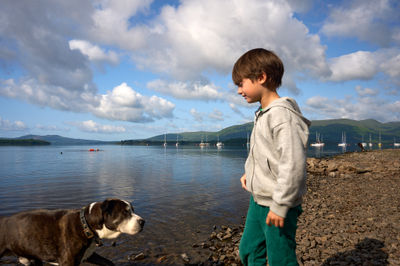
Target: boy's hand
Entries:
(243, 181)
(274, 219)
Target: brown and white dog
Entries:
(66, 237)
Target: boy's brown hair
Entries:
(254, 63)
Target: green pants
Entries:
(259, 239)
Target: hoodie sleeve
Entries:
(291, 141)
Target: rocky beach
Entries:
(351, 214)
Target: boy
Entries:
(275, 169)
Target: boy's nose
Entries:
(239, 90)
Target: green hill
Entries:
(233, 132)
(59, 140)
(330, 131)
(22, 142)
(356, 131)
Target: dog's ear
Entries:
(107, 206)
(95, 217)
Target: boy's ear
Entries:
(262, 78)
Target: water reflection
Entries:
(318, 151)
(343, 148)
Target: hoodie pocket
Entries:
(264, 181)
(269, 171)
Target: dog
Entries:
(67, 237)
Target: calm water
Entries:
(181, 193)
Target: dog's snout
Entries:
(141, 222)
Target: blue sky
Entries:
(113, 70)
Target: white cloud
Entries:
(51, 128)
(93, 127)
(365, 106)
(198, 117)
(125, 104)
(6, 125)
(366, 65)
(94, 52)
(392, 66)
(186, 41)
(199, 91)
(216, 115)
(362, 92)
(111, 23)
(301, 6)
(187, 90)
(368, 20)
(35, 38)
(358, 65)
(236, 110)
(122, 103)
(55, 97)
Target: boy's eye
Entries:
(240, 84)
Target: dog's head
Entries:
(112, 217)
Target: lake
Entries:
(180, 192)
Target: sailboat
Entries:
(165, 140)
(370, 141)
(204, 144)
(380, 141)
(396, 144)
(248, 141)
(362, 142)
(219, 143)
(177, 142)
(343, 143)
(317, 142)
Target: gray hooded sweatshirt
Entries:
(276, 165)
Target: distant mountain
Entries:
(233, 132)
(330, 131)
(22, 142)
(59, 140)
(356, 131)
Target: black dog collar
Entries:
(86, 229)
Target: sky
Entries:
(131, 69)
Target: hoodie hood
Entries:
(287, 103)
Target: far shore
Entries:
(23, 142)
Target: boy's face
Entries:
(251, 91)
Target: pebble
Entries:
(185, 258)
(139, 256)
